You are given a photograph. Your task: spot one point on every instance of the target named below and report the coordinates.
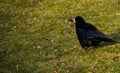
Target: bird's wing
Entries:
(91, 34)
(95, 34)
(98, 35)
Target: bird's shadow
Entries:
(115, 36)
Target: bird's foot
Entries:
(84, 48)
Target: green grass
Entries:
(36, 37)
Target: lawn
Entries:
(36, 37)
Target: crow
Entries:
(88, 35)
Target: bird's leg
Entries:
(82, 42)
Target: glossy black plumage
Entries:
(89, 35)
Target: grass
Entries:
(36, 37)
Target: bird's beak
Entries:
(72, 20)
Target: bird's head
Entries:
(77, 19)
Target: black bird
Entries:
(88, 34)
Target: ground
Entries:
(36, 37)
